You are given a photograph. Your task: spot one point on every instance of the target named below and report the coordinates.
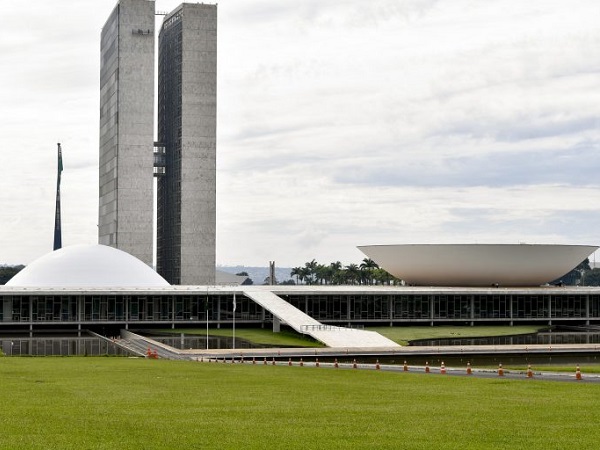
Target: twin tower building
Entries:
(182, 158)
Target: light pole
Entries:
(234, 308)
(206, 303)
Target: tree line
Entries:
(582, 275)
(7, 272)
(335, 273)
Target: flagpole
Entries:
(206, 318)
(234, 308)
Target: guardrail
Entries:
(323, 327)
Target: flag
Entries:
(57, 218)
(234, 304)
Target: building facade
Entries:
(186, 198)
(91, 308)
(186, 180)
(125, 219)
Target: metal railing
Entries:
(323, 327)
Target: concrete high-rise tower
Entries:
(187, 84)
(127, 129)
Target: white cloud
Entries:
(340, 123)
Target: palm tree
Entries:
(381, 276)
(311, 268)
(321, 274)
(367, 266)
(296, 272)
(336, 265)
(336, 273)
(352, 273)
(306, 275)
(325, 273)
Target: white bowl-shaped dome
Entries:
(87, 266)
(478, 264)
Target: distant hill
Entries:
(258, 274)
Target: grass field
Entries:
(401, 335)
(256, 335)
(108, 403)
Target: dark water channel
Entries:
(53, 345)
(59, 346)
(183, 342)
(542, 338)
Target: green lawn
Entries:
(285, 338)
(403, 335)
(108, 403)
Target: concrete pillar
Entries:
(587, 309)
(218, 312)
(348, 299)
(272, 278)
(431, 310)
(472, 310)
(276, 325)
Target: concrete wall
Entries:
(127, 129)
(198, 169)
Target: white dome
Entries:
(87, 266)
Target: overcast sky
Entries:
(340, 123)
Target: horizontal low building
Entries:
(27, 308)
(82, 287)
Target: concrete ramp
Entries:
(331, 336)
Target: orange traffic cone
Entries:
(500, 370)
(577, 373)
(529, 371)
(443, 369)
(469, 371)
(426, 367)
(405, 367)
